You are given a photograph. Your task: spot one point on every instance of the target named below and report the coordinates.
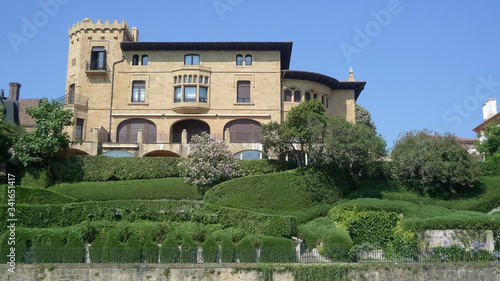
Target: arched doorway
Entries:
(193, 127)
(128, 130)
(244, 131)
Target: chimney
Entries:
(489, 108)
(15, 88)
(135, 34)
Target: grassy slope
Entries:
(167, 188)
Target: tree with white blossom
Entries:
(209, 163)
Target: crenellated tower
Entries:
(93, 49)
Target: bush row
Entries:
(127, 245)
(39, 246)
(103, 168)
(60, 215)
(264, 166)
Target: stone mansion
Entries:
(150, 98)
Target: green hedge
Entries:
(264, 166)
(335, 241)
(169, 250)
(276, 249)
(227, 249)
(36, 178)
(39, 246)
(291, 191)
(210, 250)
(59, 215)
(189, 250)
(103, 168)
(35, 196)
(246, 251)
(167, 188)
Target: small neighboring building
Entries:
(468, 144)
(490, 116)
(15, 108)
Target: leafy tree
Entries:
(491, 144)
(301, 133)
(39, 148)
(352, 146)
(433, 164)
(363, 117)
(9, 134)
(209, 163)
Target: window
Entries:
(194, 79)
(288, 95)
(191, 60)
(144, 59)
(307, 96)
(178, 94)
(71, 94)
(315, 96)
(98, 59)
(323, 100)
(297, 96)
(138, 91)
(135, 60)
(206, 79)
(185, 79)
(243, 94)
(79, 129)
(248, 60)
(203, 94)
(190, 78)
(189, 94)
(326, 103)
(239, 60)
(175, 79)
(201, 79)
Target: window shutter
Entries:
(244, 90)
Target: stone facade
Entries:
(119, 88)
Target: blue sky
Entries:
(427, 64)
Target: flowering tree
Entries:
(209, 163)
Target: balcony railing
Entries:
(74, 99)
(97, 67)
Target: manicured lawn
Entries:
(167, 188)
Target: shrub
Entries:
(491, 167)
(96, 248)
(35, 196)
(36, 178)
(149, 248)
(227, 249)
(276, 249)
(133, 210)
(114, 250)
(103, 168)
(133, 249)
(456, 253)
(189, 250)
(291, 190)
(433, 164)
(210, 162)
(264, 166)
(210, 250)
(245, 250)
(169, 250)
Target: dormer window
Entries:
(248, 60)
(135, 60)
(191, 60)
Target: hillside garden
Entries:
(350, 206)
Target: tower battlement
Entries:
(87, 24)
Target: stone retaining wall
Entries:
(155, 272)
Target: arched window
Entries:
(190, 79)
(307, 96)
(248, 60)
(195, 79)
(175, 79)
(239, 60)
(128, 130)
(323, 100)
(144, 59)
(297, 96)
(326, 103)
(193, 127)
(206, 79)
(185, 79)
(201, 79)
(288, 95)
(315, 96)
(244, 131)
(135, 60)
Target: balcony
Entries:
(191, 107)
(96, 67)
(76, 100)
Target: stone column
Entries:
(227, 135)
(140, 136)
(184, 137)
